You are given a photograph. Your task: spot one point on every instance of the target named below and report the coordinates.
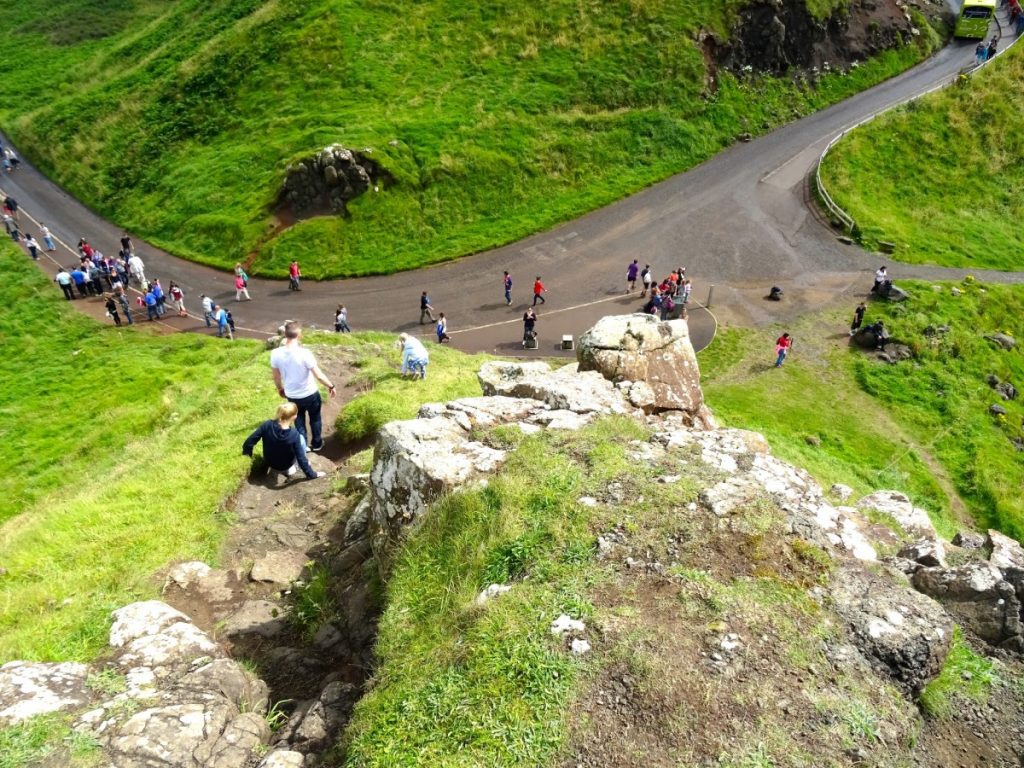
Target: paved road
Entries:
(741, 222)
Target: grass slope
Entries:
(496, 119)
(460, 684)
(942, 177)
(921, 426)
(118, 449)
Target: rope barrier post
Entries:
(711, 292)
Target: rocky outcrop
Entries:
(905, 634)
(328, 180)
(567, 388)
(184, 703)
(987, 597)
(28, 689)
(651, 360)
(777, 35)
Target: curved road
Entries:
(740, 221)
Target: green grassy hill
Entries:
(177, 119)
(942, 177)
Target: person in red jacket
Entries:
(293, 277)
(782, 347)
(538, 291)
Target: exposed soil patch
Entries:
(775, 37)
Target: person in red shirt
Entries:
(293, 277)
(538, 291)
(782, 347)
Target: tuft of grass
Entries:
(495, 120)
(313, 603)
(964, 673)
(941, 177)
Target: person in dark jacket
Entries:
(283, 446)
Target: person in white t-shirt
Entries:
(296, 374)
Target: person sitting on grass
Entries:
(414, 356)
(284, 449)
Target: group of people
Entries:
(985, 51)
(666, 297)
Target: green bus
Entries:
(974, 18)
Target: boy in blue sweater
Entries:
(283, 446)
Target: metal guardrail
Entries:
(836, 210)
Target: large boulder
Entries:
(914, 521)
(29, 688)
(978, 596)
(905, 634)
(566, 388)
(415, 463)
(640, 348)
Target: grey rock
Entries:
(903, 633)
(928, 552)
(565, 388)
(894, 353)
(226, 678)
(840, 491)
(1006, 390)
(236, 744)
(968, 540)
(170, 735)
(358, 520)
(28, 689)
(309, 729)
(281, 567)
(913, 520)
(255, 617)
(976, 594)
(997, 410)
(415, 463)
(291, 535)
(1004, 340)
(640, 348)
(282, 758)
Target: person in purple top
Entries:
(631, 274)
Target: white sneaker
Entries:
(292, 470)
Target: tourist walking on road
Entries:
(112, 311)
(47, 238)
(341, 320)
(632, 272)
(294, 273)
(79, 278)
(992, 47)
(881, 278)
(442, 329)
(284, 448)
(63, 279)
(11, 206)
(137, 269)
(241, 289)
(782, 346)
(426, 310)
(538, 292)
(647, 279)
(240, 272)
(127, 246)
(161, 298)
(220, 316)
(858, 318)
(207, 303)
(122, 299)
(507, 283)
(685, 290)
(981, 52)
(529, 324)
(296, 374)
(178, 297)
(415, 357)
(150, 301)
(33, 247)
